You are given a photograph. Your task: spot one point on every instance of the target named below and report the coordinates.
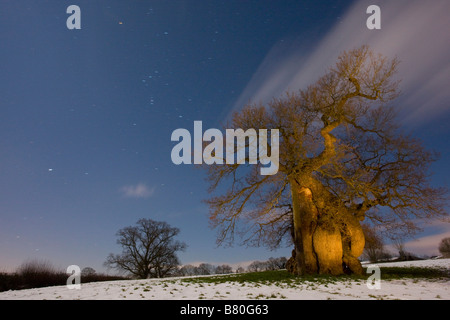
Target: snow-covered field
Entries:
(180, 288)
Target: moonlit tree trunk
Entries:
(324, 244)
(305, 222)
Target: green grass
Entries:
(388, 273)
(242, 278)
(284, 278)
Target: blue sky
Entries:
(86, 115)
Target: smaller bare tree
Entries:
(256, 266)
(276, 263)
(374, 245)
(224, 269)
(403, 255)
(205, 269)
(87, 272)
(240, 269)
(188, 270)
(444, 247)
(149, 249)
(400, 246)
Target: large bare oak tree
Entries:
(343, 159)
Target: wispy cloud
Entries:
(137, 191)
(427, 244)
(415, 31)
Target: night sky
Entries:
(86, 115)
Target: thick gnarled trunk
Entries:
(353, 243)
(305, 221)
(324, 243)
(327, 244)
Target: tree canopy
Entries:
(343, 159)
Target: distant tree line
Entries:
(209, 269)
(269, 265)
(203, 269)
(38, 273)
